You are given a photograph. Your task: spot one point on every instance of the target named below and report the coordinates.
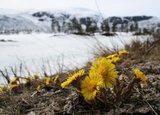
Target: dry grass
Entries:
(146, 51)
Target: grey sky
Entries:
(107, 7)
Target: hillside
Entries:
(72, 21)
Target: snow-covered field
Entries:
(47, 52)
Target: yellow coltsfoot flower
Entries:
(113, 58)
(39, 88)
(3, 89)
(13, 87)
(55, 79)
(14, 81)
(36, 76)
(28, 79)
(106, 69)
(47, 80)
(72, 78)
(140, 75)
(122, 53)
(91, 85)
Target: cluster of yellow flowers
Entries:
(29, 80)
(102, 74)
(11, 86)
(117, 56)
(14, 83)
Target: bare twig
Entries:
(5, 75)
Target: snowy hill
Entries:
(14, 23)
(150, 24)
(70, 21)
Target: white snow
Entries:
(149, 24)
(47, 51)
(82, 12)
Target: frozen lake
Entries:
(47, 51)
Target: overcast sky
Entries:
(107, 7)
